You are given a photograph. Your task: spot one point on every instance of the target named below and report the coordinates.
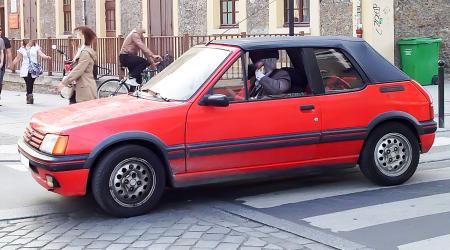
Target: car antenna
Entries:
(239, 23)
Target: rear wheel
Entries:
(391, 154)
(112, 87)
(128, 181)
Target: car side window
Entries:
(231, 84)
(338, 73)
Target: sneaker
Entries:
(132, 82)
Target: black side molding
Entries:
(395, 88)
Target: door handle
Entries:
(306, 107)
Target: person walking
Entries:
(28, 53)
(82, 74)
(5, 57)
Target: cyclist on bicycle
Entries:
(129, 55)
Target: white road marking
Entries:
(358, 218)
(348, 186)
(437, 243)
(18, 167)
(441, 141)
(8, 149)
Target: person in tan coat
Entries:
(82, 74)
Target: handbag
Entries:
(34, 68)
(67, 91)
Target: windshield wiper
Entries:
(156, 94)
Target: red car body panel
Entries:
(203, 143)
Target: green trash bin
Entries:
(419, 57)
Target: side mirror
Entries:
(54, 46)
(216, 100)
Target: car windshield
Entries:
(181, 79)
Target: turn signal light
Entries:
(60, 145)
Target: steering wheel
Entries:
(256, 91)
(336, 83)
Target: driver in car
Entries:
(268, 80)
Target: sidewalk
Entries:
(433, 90)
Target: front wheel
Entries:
(390, 155)
(112, 87)
(128, 181)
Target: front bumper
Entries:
(69, 171)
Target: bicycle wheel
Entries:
(112, 87)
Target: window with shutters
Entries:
(301, 12)
(110, 17)
(67, 11)
(228, 12)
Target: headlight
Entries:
(54, 144)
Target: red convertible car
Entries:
(213, 116)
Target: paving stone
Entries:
(289, 245)
(37, 243)
(204, 223)
(192, 235)
(32, 227)
(159, 246)
(76, 232)
(14, 247)
(227, 246)
(300, 240)
(48, 236)
(21, 241)
(250, 248)
(266, 229)
(99, 244)
(207, 243)
(20, 232)
(187, 220)
(282, 235)
(234, 239)
(227, 224)
(179, 248)
(157, 230)
(142, 243)
(8, 239)
(65, 238)
(185, 242)
(115, 246)
(197, 228)
(90, 235)
(100, 228)
(72, 248)
(316, 246)
(258, 234)
(165, 239)
(135, 232)
(148, 236)
(127, 239)
(34, 234)
(181, 226)
(109, 236)
(174, 232)
(209, 236)
(219, 230)
(11, 228)
(242, 229)
(273, 247)
(81, 242)
(255, 242)
(54, 245)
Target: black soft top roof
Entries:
(375, 66)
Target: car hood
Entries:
(60, 119)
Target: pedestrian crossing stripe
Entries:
(350, 186)
(436, 243)
(441, 141)
(353, 219)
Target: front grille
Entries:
(33, 137)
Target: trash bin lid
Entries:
(419, 40)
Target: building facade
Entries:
(382, 22)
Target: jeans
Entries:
(29, 81)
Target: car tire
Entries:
(390, 155)
(128, 181)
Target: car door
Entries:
(345, 106)
(250, 135)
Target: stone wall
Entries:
(131, 15)
(47, 21)
(423, 18)
(78, 12)
(336, 17)
(258, 16)
(91, 14)
(192, 17)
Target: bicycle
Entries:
(113, 87)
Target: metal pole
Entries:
(84, 13)
(291, 17)
(441, 94)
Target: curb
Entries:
(285, 225)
